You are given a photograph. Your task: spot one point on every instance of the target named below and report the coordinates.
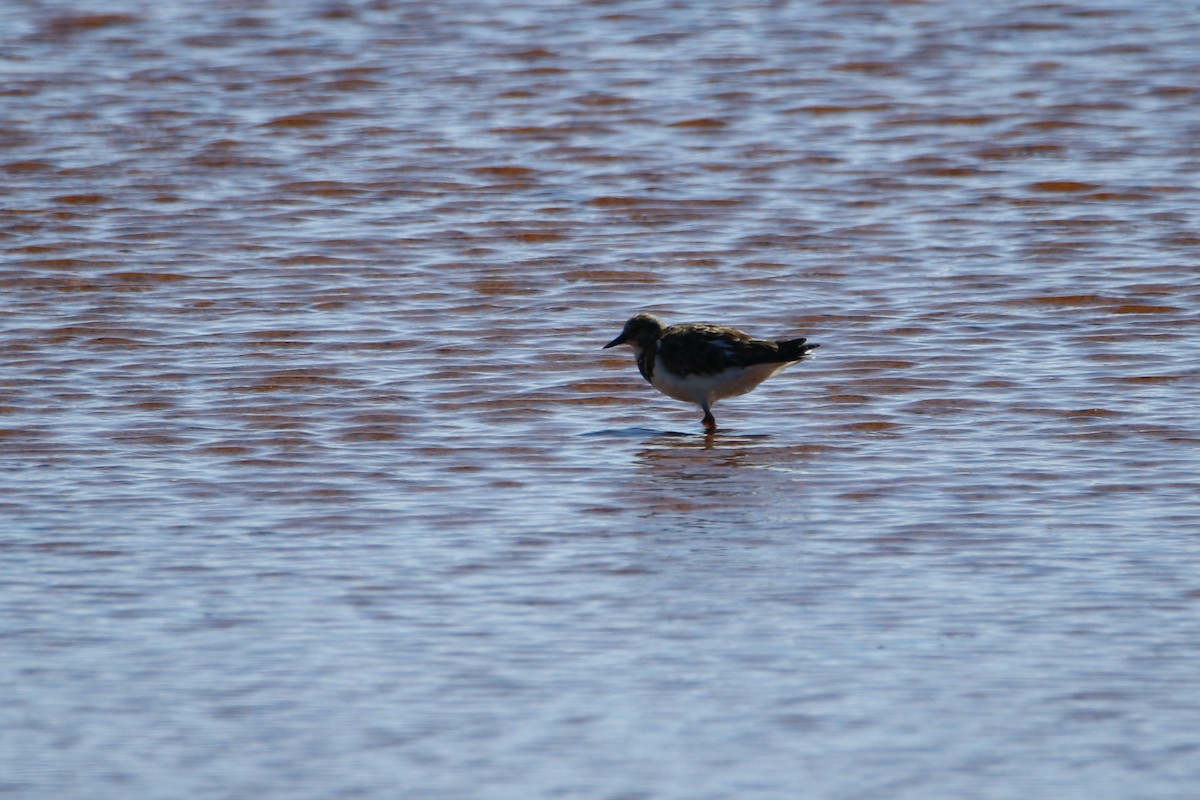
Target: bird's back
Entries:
(701, 349)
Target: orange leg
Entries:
(710, 422)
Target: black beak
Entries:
(619, 340)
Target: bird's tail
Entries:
(795, 349)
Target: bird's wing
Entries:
(709, 349)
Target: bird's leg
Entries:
(710, 422)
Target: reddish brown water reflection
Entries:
(311, 456)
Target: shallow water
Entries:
(317, 484)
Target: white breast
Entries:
(701, 388)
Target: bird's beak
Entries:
(619, 340)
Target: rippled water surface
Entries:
(316, 483)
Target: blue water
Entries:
(315, 481)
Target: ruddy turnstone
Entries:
(701, 364)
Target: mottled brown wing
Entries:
(709, 349)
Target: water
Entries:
(317, 484)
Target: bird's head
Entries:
(641, 331)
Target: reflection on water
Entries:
(316, 483)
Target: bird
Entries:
(702, 363)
